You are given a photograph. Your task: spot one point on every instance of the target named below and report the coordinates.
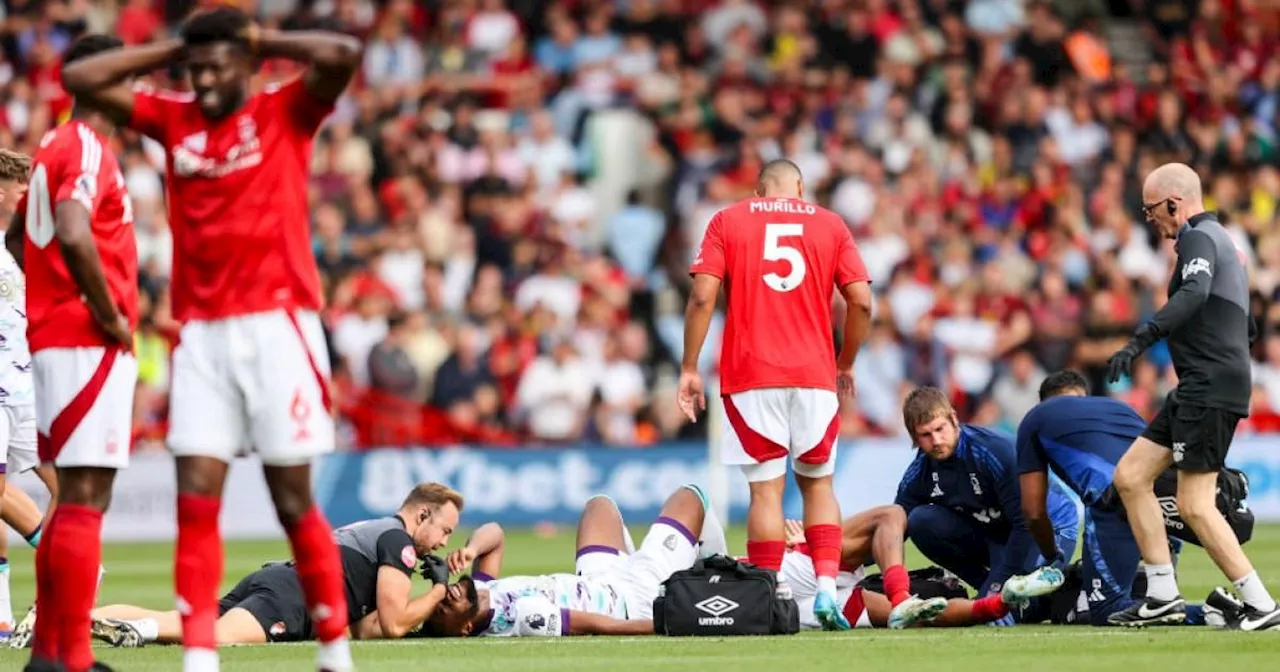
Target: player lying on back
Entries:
(251, 369)
(1081, 438)
(878, 534)
(961, 495)
(612, 592)
(379, 558)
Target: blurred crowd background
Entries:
(506, 202)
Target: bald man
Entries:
(781, 259)
(1207, 324)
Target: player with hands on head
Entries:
(251, 369)
(780, 260)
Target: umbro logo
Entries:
(716, 605)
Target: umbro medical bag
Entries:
(720, 596)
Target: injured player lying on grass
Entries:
(612, 592)
(877, 534)
(379, 557)
(608, 596)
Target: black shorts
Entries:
(1199, 436)
(274, 596)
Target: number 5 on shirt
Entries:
(776, 250)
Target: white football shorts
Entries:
(84, 406)
(765, 426)
(257, 381)
(18, 439)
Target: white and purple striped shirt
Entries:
(16, 388)
(538, 606)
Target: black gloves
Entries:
(1122, 362)
(435, 570)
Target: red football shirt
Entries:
(237, 198)
(74, 163)
(780, 260)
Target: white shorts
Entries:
(84, 406)
(18, 439)
(256, 381)
(797, 571)
(665, 550)
(765, 426)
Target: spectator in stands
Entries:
(621, 386)
(357, 332)
(545, 170)
(880, 372)
(1017, 389)
(465, 371)
(554, 393)
(633, 236)
(390, 369)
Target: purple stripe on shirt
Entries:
(596, 548)
(480, 577)
(672, 522)
(564, 622)
(4, 466)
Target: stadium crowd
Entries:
(494, 276)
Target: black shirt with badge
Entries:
(1207, 318)
(365, 547)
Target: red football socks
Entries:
(320, 571)
(766, 554)
(76, 553)
(44, 643)
(897, 585)
(989, 608)
(824, 547)
(197, 569)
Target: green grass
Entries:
(141, 574)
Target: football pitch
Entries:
(142, 574)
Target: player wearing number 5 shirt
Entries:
(780, 260)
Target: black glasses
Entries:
(1148, 207)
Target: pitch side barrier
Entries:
(519, 487)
